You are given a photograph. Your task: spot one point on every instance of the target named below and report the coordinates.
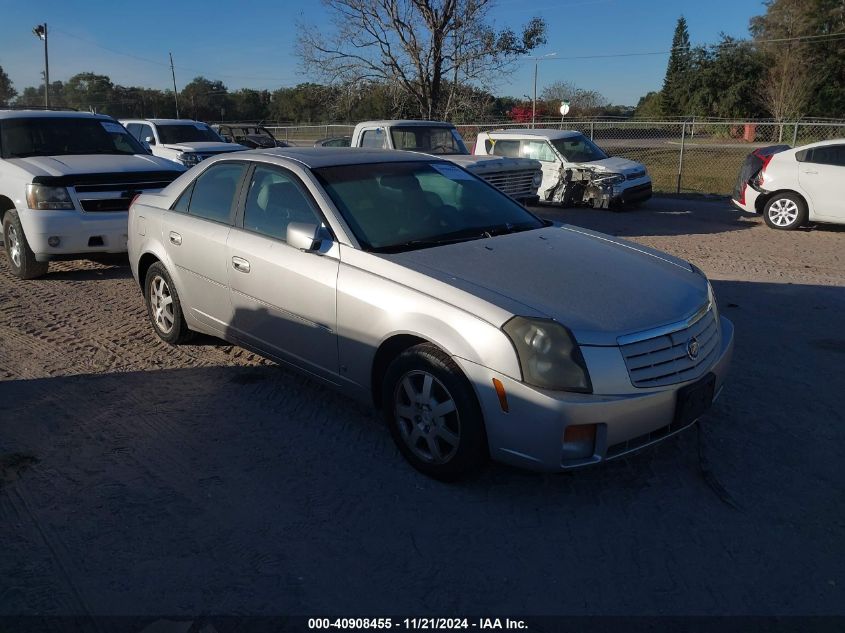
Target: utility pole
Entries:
(537, 61)
(175, 93)
(40, 31)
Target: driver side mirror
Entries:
(149, 140)
(304, 236)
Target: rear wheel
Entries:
(432, 413)
(164, 307)
(21, 258)
(785, 212)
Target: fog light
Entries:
(53, 241)
(579, 441)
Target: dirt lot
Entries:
(137, 478)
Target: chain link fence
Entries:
(694, 156)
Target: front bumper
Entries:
(79, 233)
(633, 195)
(530, 434)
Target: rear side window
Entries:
(135, 130)
(215, 191)
(181, 205)
(828, 155)
(506, 148)
(373, 138)
(146, 132)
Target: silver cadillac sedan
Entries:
(476, 328)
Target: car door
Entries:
(822, 175)
(195, 232)
(541, 150)
(284, 299)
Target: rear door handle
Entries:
(810, 172)
(240, 264)
(175, 238)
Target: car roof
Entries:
(51, 114)
(545, 133)
(316, 157)
(163, 121)
(406, 123)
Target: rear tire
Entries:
(433, 415)
(785, 212)
(21, 258)
(164, 307)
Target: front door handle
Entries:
(240, 264)
(806, 171)
(175, 238)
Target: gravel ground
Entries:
(139, 479)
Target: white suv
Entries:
(575, 170)
(793, 186)
(182, 140)
(66, 182)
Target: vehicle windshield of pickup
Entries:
(64, 136)
(402, 206)
(431, 140)
(186, 133)
(578, 149)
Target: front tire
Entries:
(433, 415)
(785, 212)
(21, 258)
(164, 307)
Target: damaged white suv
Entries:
(575, 170)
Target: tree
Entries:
(649, 106)
(675, 93)
(429, 48)
(203, 99)
(581, 102)
(88, 91)
(7, 91)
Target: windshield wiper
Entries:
(504, 229)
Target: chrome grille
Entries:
(514, 183)
(663, 359)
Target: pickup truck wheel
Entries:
(164, 307)
(21, 258)
(433, 415)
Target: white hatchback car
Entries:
(791, 187)
(575, 170)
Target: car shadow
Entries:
(658, 216)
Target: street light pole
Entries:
(40, 31)
(537, 61)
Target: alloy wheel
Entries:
(14, 245)
(161, 302)
(427, 417)
(783, 212)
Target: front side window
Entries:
(431, 140)
(373, 138)
(399, 206)
(578, 149)
(215, 191)
(63, 136)
(276, 199)
(538, 150)
(187, 133)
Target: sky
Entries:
(251, 44)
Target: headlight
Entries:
(711, 297)
(47, 198)
(189, 159)
(613, 179)
(538, 179)
(548, 355)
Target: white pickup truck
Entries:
(181, 140)
(518, 177)
(66, 182)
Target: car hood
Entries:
(596, 285)
(204, 147)
(92, 164)
(614, 164)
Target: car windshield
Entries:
(63, 136)
(578, 149)
(399, 206)
(431, 140)
(187, 133)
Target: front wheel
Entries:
(785, 212)
(433, 415)
(21, 258)
(164, 307)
